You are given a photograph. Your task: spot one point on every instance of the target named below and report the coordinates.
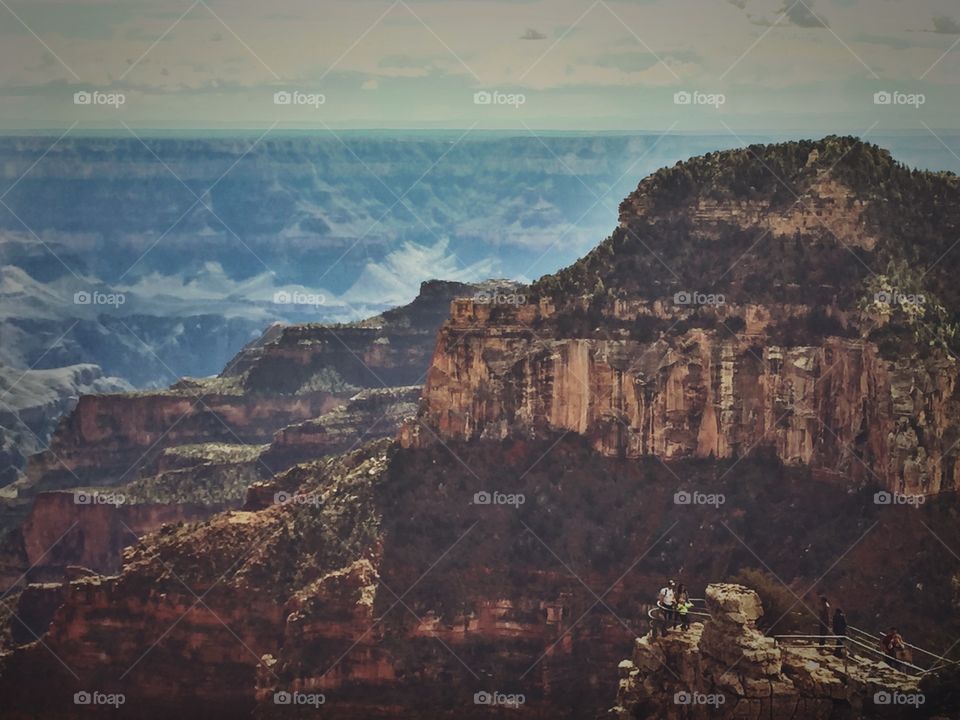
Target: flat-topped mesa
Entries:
(368, 415)
(108, 439)
(392, 348)
(726, 668)
(725, 315)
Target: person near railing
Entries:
(683, 610)
(667, 599)
(680, 597)
(824, 624)
(839, 629)
(893, 647)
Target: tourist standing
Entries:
(824, 619)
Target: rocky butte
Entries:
(511, 541)
(768, 297)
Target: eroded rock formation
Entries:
(724, 667)
(726, 315)
(839, 406)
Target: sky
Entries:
(567, 65)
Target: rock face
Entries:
(368, 415)
(107, 439)
(837, 406)
(725, 668)
(389, 350)
(187, 483)
(718, 321)
(34, 401)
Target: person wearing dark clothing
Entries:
(893, 647)
(839, 629)
(824, 620)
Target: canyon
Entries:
(142, 459)
(502, 532)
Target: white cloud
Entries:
(397, 278)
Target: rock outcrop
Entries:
(33, 402)
(368, 415)
(722, 318)
(388, 350)
(839, 406)
(724, 667)
(90, 526)
(109, 439)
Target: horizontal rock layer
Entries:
(838, 406)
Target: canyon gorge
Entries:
(476, 495)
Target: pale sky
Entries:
(548, 64)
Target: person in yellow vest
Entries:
(683, 610)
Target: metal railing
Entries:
(658, 614)
(851, 646)
(857, 642)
